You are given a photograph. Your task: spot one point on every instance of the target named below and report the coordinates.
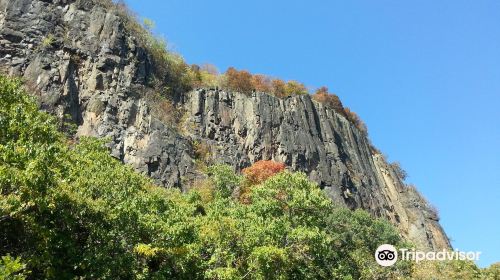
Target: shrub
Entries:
(201, 150)
(323, 96)
(492, 272)
(209, 68)
(417, 196)
(149, 24)
(206, 75)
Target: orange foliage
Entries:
(355, 119)
(239, 80)
(278, 88)
(333, 101)
(261, 83)
(323, 96)
(262, 170)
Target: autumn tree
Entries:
(262, 170)
(278, 88)
(322, 95)
(261, 83)
(238, 80)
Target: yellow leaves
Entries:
(146, 250)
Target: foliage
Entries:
(295, 88)
(421, 200)
(238, 80)
(224, 179)
(356, 120)
(169, 67)
(206, 75)
(12, 268)
(149, 24)
(442, 270)
(262, 170)
(492, 272)
(261, 83)
(162, 107)
(245, 82)
(48, 41)
(76, 212)
(322, 95)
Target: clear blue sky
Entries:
(423, 75)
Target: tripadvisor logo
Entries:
(387, 255)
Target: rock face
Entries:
(85, 66)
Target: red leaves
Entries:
(261, 170)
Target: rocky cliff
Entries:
(86, 67)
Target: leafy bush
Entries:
(48, 41)
(492, 272)
(243, 81)
(162, 107)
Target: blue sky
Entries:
(424, 76)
